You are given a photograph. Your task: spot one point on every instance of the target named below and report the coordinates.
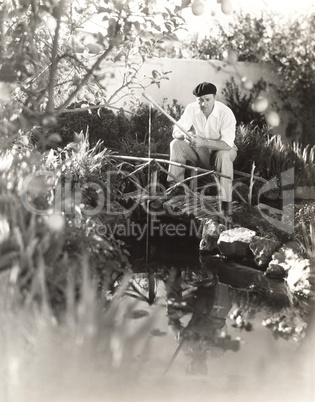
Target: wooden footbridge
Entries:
(195, 203)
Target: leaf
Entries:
(104, 10)
(8, 259)
(112, 22)
(6, 89)
(155, 74)
(137, 26)
(111, 30)
(118, 57)
(157, 332)
(51, 23)
(135, 295)
(94, 48)
(169, 11)
(78, 137)
(171, 36)
(100, 38)
(169, 26)
(135, 314)
(55, 137)
(157, 27)
(15, 13)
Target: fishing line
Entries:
(148, 222)
(150, 271)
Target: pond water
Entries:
(181, 327)
(216, 329)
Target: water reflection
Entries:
(211, 305)
(197, 308)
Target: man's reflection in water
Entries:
(199, 294)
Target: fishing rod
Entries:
(187, 133)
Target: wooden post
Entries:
(154, 181)
(193, 183)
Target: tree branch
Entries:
(90, 72)
(53, 69)
(85, 79)
(103, 105)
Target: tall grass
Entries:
(273, 155)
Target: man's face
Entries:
(206, 103)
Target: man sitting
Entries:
(211, 125)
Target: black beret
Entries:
(205, 88)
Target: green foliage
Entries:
(241, 104)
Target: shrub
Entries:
(103, 124)
(126, 134)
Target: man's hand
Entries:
(197, 142)
(179, 136)
(182, 136)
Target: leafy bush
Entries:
(103, 124)
(126, 134)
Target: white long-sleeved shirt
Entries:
(220, 125)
